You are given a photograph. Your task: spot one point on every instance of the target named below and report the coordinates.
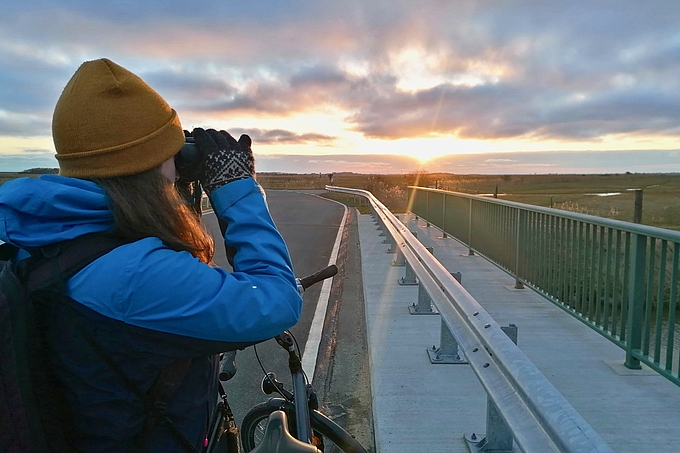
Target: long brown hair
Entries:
(146, 205)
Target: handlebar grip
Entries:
(323, 274)
(228, 366)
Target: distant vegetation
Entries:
(8, 176)
(42, 171)
(607, 195)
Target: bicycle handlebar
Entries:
(327, 272)
(228, 360)
(300, 403)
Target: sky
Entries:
(371, 86)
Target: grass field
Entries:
(5, 176)
(611, 196)
(608, 195)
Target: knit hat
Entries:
(108, 122)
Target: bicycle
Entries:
(267, 427)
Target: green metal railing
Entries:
(619, 278)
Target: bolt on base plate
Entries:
(436, 357)
(477, 443)
(414, 310)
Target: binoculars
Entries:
(188, 165)
(188, 161)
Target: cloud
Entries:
(30, 82)
(15, 124)
(280, 136)
(576, 71)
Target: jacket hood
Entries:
(36, 212)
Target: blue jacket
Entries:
(149, 305)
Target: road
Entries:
(309, 225)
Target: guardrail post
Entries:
(393, 244)
(409, 277)
(447, 352)
(399, 260)
(424, 306)
(498, 437)
(376, 219)
(380, 227)
(636, 297)
(388, 238)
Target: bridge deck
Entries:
(420, 407)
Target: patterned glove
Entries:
(225, 159)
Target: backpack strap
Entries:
(49, 268)
(164, 386)
(7, 251)
(54, 264)
(155, 409)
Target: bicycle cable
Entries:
(267, 376)
(299, 352)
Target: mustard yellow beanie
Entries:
(108, 122)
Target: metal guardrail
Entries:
(619, 278)
(527, 405)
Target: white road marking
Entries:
(311, 351)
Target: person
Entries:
(157, 298)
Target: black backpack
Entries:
(33, 418)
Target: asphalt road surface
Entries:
(309, 224)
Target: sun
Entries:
(425, 149)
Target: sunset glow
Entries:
(327, 81)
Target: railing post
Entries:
(470, 251)
(521, 221)
(637, 212)
(636, 297)
(498, 437)
(444, 236)
(427, 209)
